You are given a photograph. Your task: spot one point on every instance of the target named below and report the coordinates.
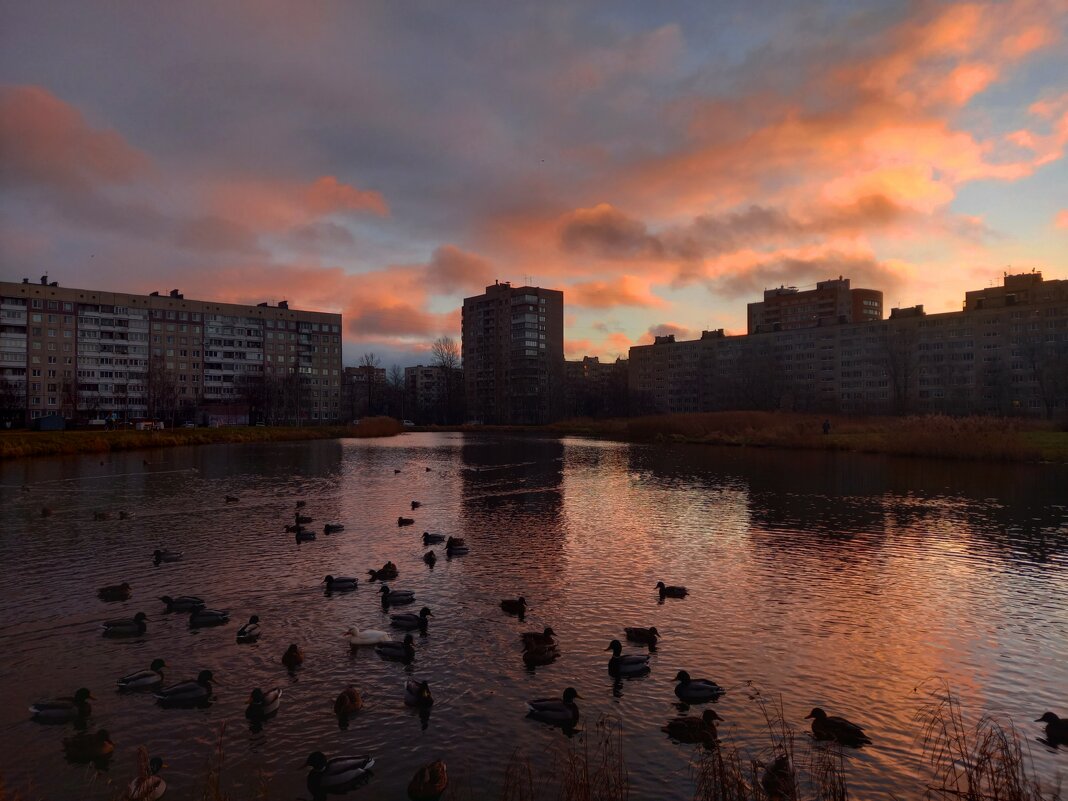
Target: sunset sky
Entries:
(662, 163)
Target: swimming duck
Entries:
(454, 549)
(826, 727)
(396, 596)
(152, 786)
(293, 528)
(538, 639)
(397, 651)
(114, 592)
(693, 729)
(188, 693)
(159, 556)
(261, 705)
(293, 658)
(417, 693)
(415, 505)
(183, 603)
(410, 621)
(144, 679)
(650, 636)
(126, 627)
(356, 637)
(629, 665)
(429, 782)
(430, 558)
(250, 632)
(337, 772)
(301, 504)
(86, 747)
(670, 592)
(431, 539)
(562, 712)
(202, 618)
(455, 542)
(405, 521)
(696, 691)
(303, 520)
(348, 702)
(63, 710)
(515, 606)
(387, 572)
(232, 499)
(339, 583)
(396, 472)
(333, 528)
(303, 535)
(778, 780)
(1056, 728)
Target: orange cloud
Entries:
(1061, 220)
(627, 290)
(269, 206)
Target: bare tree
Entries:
(397, 389)
(370, 362)
(446, 355)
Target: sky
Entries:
(661, 163)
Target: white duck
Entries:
(356, 637)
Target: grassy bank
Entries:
(16, 444)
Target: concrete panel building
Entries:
(831, 302)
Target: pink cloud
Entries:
(1061, 220)
(627, 290)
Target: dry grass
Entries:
(14, 445)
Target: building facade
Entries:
(363, 391)
(832, 301)
(435, 394)
(96, 355)
(594, 388)
(513, 355)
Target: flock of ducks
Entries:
(336, 774)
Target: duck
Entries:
(333, 528)
(405, 521)
(830, 727)
(188, 693)
(410, 620)
(396, 596)
(540, 655)
(456, 550)
(202, 618)
(430, 558)
(114, 592)
(538, 639)
(293, 528)
(629, 665)
(415, 505)
(89, 747)
(693, 729)
(397, 651)
(387, 572)
(778, 780)
(250, 632)
(696, 691)
(431, 539)
(301, 504)
(148, 679)
(163, 555)
(455, 542)
(293, 658)
(339, 583)
(396, 472)
(336, 772)
(152, 786)
(303, 520)
(1056, 728)
(64, 710)
(561, 711)
(429, 782)
(650, 636)
(515, 606)
(417, 693)
(183, 603)
(670, 591)
(348, 702)
(303, 535)
(125, 627)
(232, 499)
(356, 637)
(262, 705)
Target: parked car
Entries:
(189, 425)
(408, 424)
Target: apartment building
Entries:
(786, 308)
(435, 393)
(363, 391)
(94, 354)
(594, 388)
(513, 354)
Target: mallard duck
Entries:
(89, 747)
(63, 710)
(515, 606)
(455, 542)
(540, 655)
(114, 592)
(294, 528)
(415, 505)
(670, 592)
(396, 596)
(417, 693)
(144, 679)
(348, 702)
(357, 637)
(826, 727)
(409, 620)
(629, 665)
(250, 632)
(232, 499)
(778, 780)
(693, 729)
(331, 774)
(293, 658)
(303, 535)
(188, 693)
(430, 558)
(183, 603)
(695, 691)
(261, 705)
(126, 627)
(1056, 728)
(203, 618)
(556, 710)
(333, 528)
(538, 639)
(303, 520)
(152, 786)
(429, 782)
(405, 521)
(397, 651)
(339, 583)
(387, 572)
(431, 539)
(456, 550)
(166, 556)
(649, 636)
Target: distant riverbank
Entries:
(17, 444)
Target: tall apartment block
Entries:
(91, 354)
(830, 303)
(513, 354)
